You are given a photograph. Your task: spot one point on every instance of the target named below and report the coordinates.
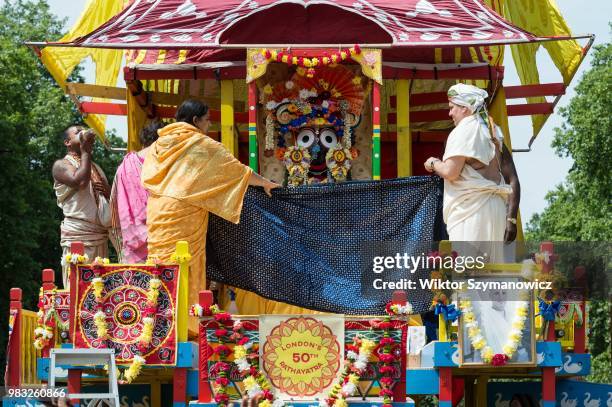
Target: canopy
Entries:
(188, 24)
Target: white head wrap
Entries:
(468, 96)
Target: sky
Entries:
(540, 169)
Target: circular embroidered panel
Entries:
(124, 302)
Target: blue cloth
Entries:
(449, 312)
(308, 246)
(549, 310)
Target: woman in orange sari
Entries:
(188, 175)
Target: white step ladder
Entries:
(87, 357)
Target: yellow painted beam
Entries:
(228, 135)
(404, 139)
(182, 257)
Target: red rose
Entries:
(499, 359)
(219, 367)
(386, 392)
(387, 369)
(221, 398)
(386, 358)
(387, 381)
(243, 341)
(352, 347)
(222, 381)
(267, 395)
(388, 308)
(387, 341)
(220, 332)
(222, 316)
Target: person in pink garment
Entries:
(129, 202)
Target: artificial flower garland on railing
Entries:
(47, 320)
(357, 356)
(255, 382)
(480, 343)
(231, 331)
(387, 357)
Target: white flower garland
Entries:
(480, 343)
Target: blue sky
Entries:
(539, 170)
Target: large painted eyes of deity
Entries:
(328, 138)
(306, 138)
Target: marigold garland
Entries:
(309, 64)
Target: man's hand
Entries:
(87, 138)
(427, 164)
(510, 234)
(269, 186)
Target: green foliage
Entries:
(33, 113)
(580, 210)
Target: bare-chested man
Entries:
(82, 192)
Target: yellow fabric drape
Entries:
(61, 61)
(136, 120)
(189, 175)
(542, 17)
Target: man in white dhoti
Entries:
(82, 192)
(481, 187)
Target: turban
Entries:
(468, 96)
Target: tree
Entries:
(33, 113)
(580, 209)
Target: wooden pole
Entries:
(376, 131)
(399, 390)
(253, 150)
(75, 248)
(228, 135)
(48, 284)
(13, 354)
(204, 393)
(404, 139)
(182, 255)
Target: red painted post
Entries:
(179, 387)
(399, 390)
(48, 284)
(445, 386)
(74, 384)
(75, 248)
(13, 355)
(204, 392)
(548, 373)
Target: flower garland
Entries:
(479, 342)
(356, 361)
(98, 288)
(43, 334)
(246, 359)
(311, 63)
(297, 160)
(388, 358)
(150, 311)
(338, 161)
